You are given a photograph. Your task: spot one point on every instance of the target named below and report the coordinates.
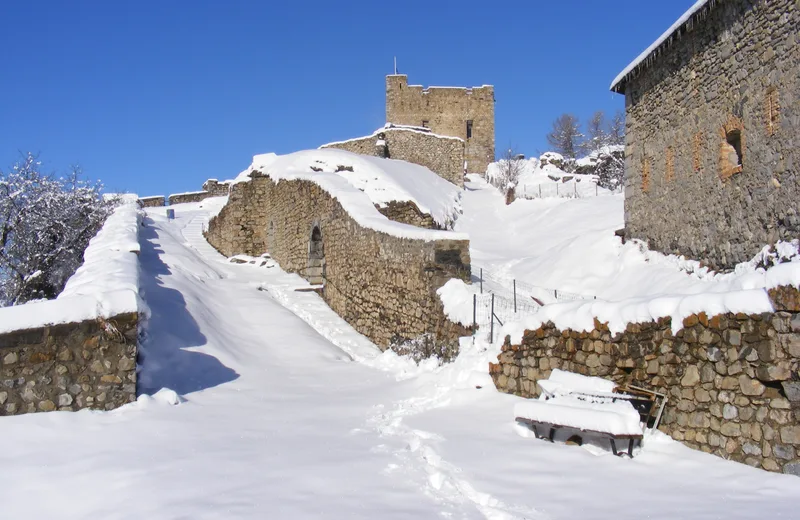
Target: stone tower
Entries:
(467, 113)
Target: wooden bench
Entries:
(553, 428)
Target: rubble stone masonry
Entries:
(71, 366)
(713, 135)
(384, 286)
(732, 380)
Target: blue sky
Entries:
(154, 97)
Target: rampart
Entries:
(466, 113)
(713, 134)
(383, 285)
(732, 379)
(153, 202)
(443, 155)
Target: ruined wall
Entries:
(442, 155)
(737, 70)
(194, 196)
(91, 364)
(383, 285)
(408, 213)
(446, 111)
(732, 380)
(153, 202)
(216, 188)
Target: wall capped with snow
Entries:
(79, 350)
(382, 282)
(733, 380)
(155, 201)
(442, 155)
(731, 81)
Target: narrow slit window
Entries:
(425, 123)
(469, 129)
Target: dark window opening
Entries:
(469, 129)
(734, 138)
(315, 273)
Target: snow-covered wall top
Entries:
(751, 298)
(360, 183)
(106, 285)
(665, 39)
(394, 127)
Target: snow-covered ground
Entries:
(287, 412)
(361, 182)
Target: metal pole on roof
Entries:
(395, 65)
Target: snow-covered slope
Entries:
(381, 180)
(284, 411)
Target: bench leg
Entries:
(552, 435)
(614, 446)
(630, 448)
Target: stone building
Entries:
(713, 132)
(443, 155)
(467, 113)
(381, 275)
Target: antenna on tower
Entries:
(395, 65)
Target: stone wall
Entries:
(383, 285)
(442, 155)
(194, 196)
(732, 380)
(153, 202)
(216, 188)
(446, 110)
(91, 364)
(737, 70)
(408, 213)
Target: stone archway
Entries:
(315, 273)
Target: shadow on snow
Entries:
(170, 330)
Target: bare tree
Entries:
(45, 225)
(597, 135)
(616, 129)
(566, 137)
(508, 170)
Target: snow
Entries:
(699, 4)
(105, 285)
(373, 181)
(258, 401)
(616, 418)
(393, 126)
(457, 298)
(579, 382)
(546, 243)
(188, 193)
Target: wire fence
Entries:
(503, 300)
(567, 190)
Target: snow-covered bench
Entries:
(580, 404)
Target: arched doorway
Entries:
(315, 273)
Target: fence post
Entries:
(540, 191)
(491, 327)
(481, 280)
(474, 313)
(515, 296)
(555, 294)
(575, 189)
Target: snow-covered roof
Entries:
(373, 181)
(391, 127)
(687, 20)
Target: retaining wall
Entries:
(732, 380)
(383, 285)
